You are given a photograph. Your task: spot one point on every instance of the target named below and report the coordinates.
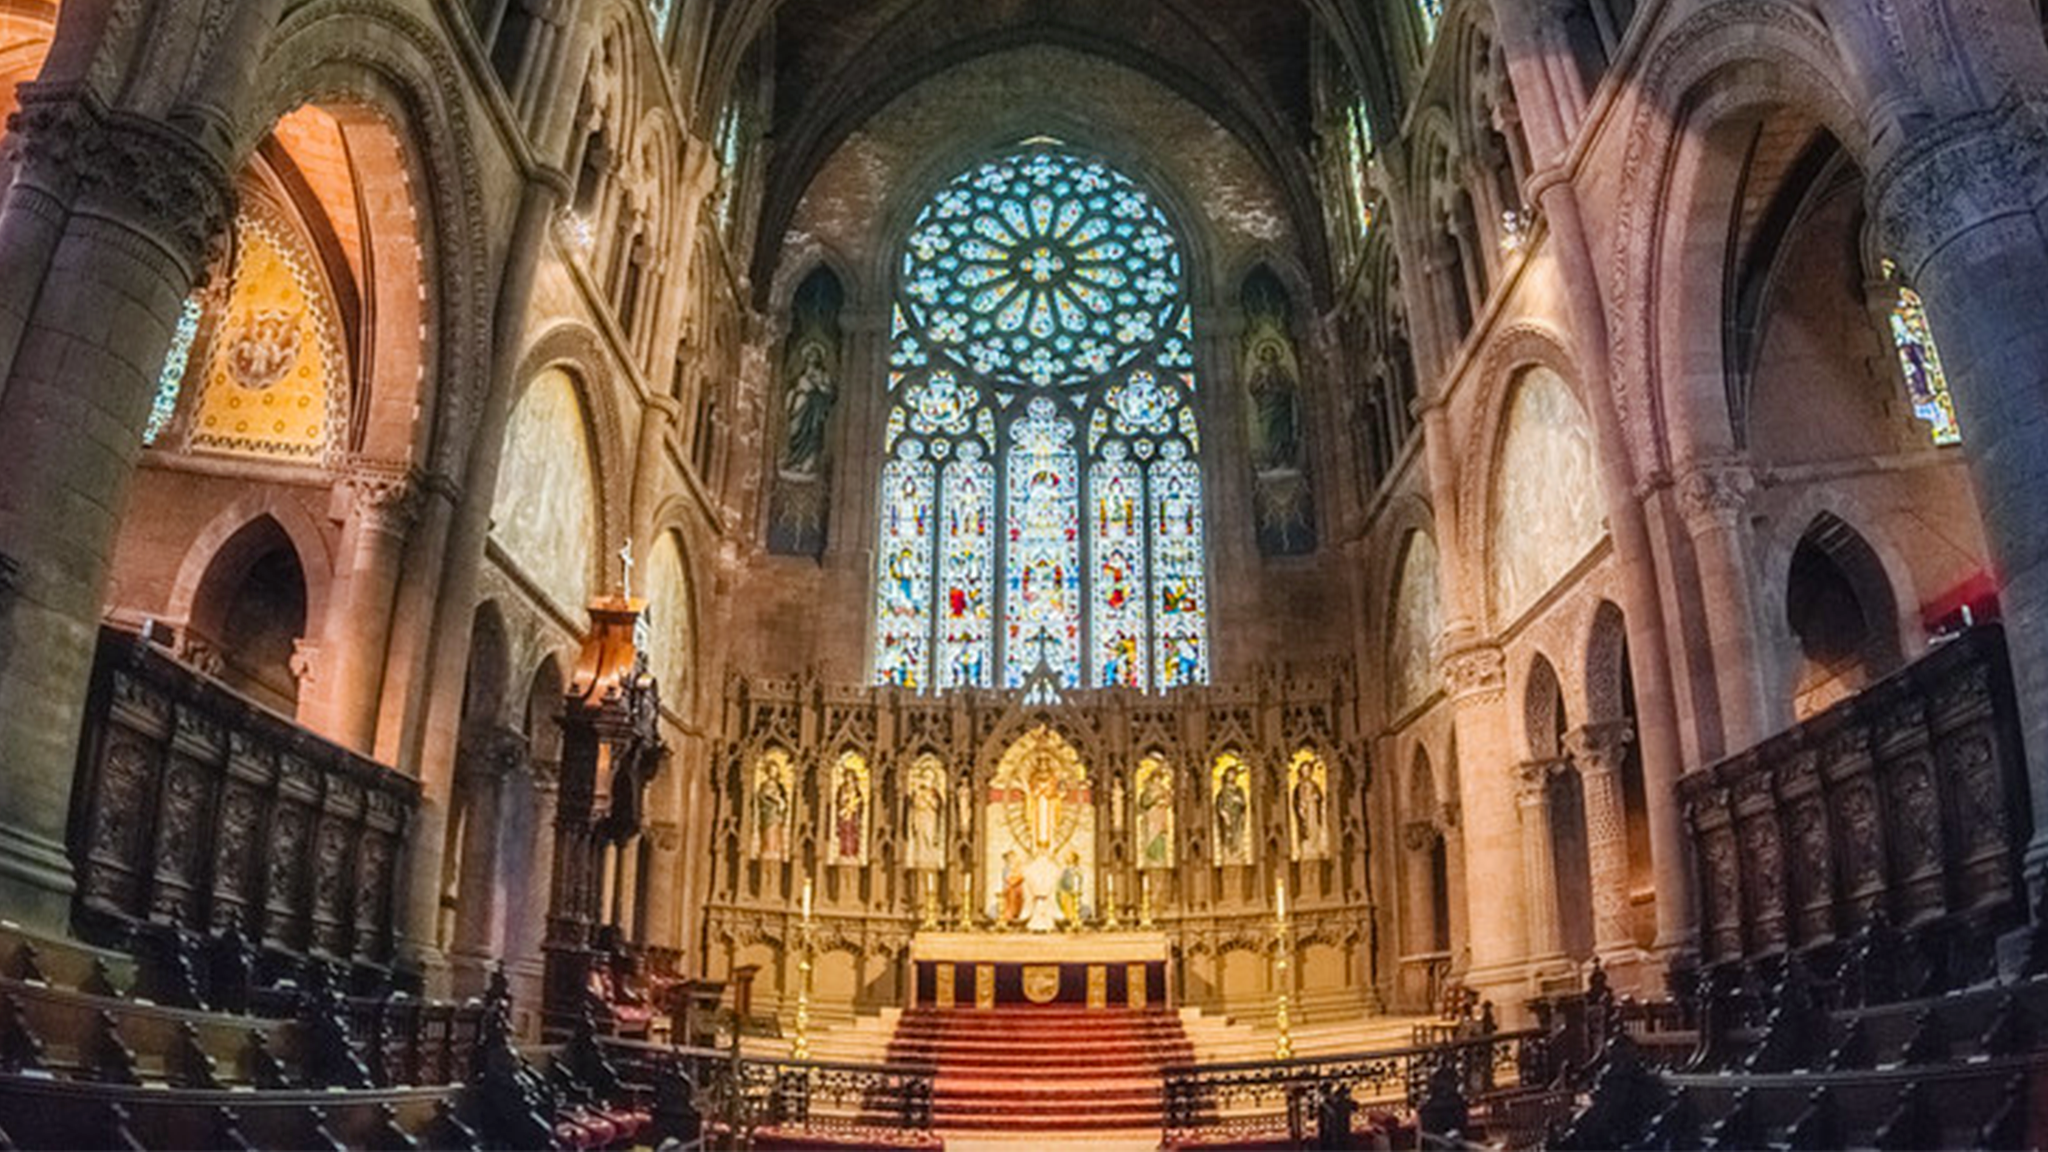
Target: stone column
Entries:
(1713, 498)
(489, 760)
(1539, 864)
(659, 882)
(383, 502)
(1498, 935)
(147, 204)
(1598, 750)
(449, 595)
(1958, 208)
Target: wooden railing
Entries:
(1303, 1098)
(196, 810)
(1906, 804)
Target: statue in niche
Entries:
(1011, 908)
(850, 811)
(1044, 811)
(1233, 800)
(808, 406)
(1276, 411)
(1070, 891)
(927, 813)
(1155, 814)
(1309, 793)
(772, 809)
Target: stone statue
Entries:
(808, 405)
(1041, 879)
(1233, 817)
(1310, 819)
(1070, 891)
(926, 806)
(771, 819)
(1155, 818)
(849, 819)
(1010, 909)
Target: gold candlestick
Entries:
(967, 903)
(800, 1044)
(1283, 1045)
(1110, 923)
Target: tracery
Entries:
(1043, 296)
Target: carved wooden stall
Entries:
(195, 810)
(1907, 800)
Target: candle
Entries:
(1280, 897)
(807, 900)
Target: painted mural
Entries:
(545, 513)
(1418, 619)
(276, 381)
(671, 641)
(1547, 511)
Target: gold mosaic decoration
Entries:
(275, 377)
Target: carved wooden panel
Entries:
(1909, 798)
(195, 809)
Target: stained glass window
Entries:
(1118, 501)
(903, 616)
(1926, 382)
(1359, 149)
(171, 380)
(968, 572)
(1042, 503)
(1043, 617)
(1432, 14)
(661, 11)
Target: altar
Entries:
(1097, 970)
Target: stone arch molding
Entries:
(316, 560)
(1734, 56)
(375, 54)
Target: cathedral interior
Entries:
(1170, 574)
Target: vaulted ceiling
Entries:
(836, 63)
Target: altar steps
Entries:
(1053, 1070)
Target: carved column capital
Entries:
(547, 779)
(1956, 175)
(137, 171)
(387, 498)
(664, 837)
(494, 751)
(1475, 672)
(1715, 495)
(1532, 781)
(1421, 836)
(1600, 747)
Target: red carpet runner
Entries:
(1054, 1070)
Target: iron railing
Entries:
(1263, 1099)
